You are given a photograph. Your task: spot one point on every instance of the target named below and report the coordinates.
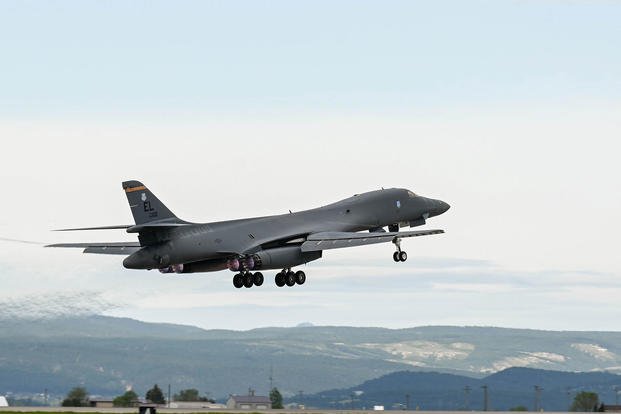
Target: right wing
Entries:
(122, 248)
(337, 240)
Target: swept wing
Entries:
(338, 240)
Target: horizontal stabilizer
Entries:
(137, 228)
(338, 240)
(121, 248)
(155, 226)
(120, 226)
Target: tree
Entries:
(585, 401)
(191, 394)
(155, 395)
(77, 397)
(126, 400)
(276, 398)
(518, 408)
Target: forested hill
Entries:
(436, 391)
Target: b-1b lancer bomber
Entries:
(247, 246)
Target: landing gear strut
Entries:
(399, 255)
(290, 278)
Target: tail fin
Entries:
(144, 205)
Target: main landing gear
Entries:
(290, 278)
(247, 279)
(399, 255)
(286, 277)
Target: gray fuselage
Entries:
(214, 243)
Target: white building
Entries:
(3, 401)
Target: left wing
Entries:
(122, 248)
(338, 240)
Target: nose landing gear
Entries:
(399, 255)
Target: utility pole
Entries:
(616, 388)
(407, 402)
(300, 397)
(467, 397)
(45, 396)
(485, 398)
(352, 400)
(168, 395)
(537, 405)
(271, 377)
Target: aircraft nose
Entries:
(443, 206)
(438, 207)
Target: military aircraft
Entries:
(281, 242)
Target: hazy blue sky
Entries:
(508, 110)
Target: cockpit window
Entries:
(411, 194)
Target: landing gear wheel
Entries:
(395, 256)
(248, 280)
(290, 278)
(403, 256)
(238, 280)
(280, 279)
(258, 279)
(300, 277)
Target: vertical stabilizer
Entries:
(145, 206)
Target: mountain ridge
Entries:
(108, 354)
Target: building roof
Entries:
(251, 399)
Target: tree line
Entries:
(79, 397)
(584, 401)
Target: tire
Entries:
(290, 279)
(395, 256)
(280, 279)
(300, 277)
(403, 256)
(258, 279)
(248, 280)
(238, 280)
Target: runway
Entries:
(229, 411)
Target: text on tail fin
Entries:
(145, 206)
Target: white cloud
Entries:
(531, 235)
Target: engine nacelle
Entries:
(176, 268)
(204, 266)
(235, 265)
(283, 257)
(278, 258)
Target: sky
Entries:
(510, 111)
